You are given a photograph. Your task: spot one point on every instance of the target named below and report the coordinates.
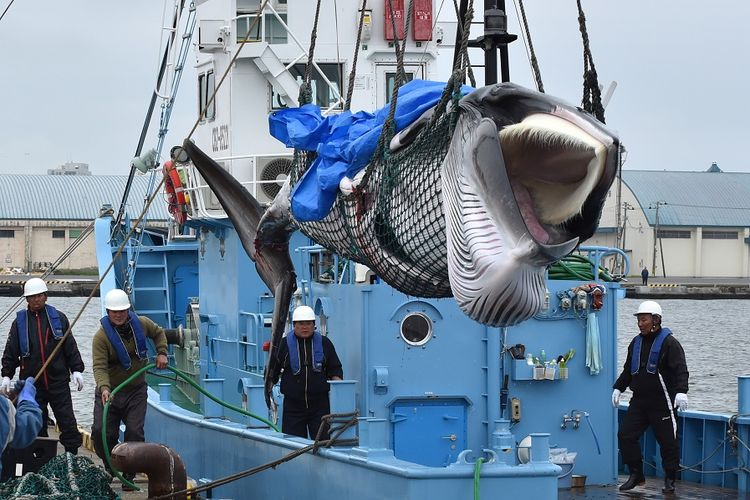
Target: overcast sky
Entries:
(77, 76)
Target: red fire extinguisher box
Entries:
(398, 16)
(422, 20)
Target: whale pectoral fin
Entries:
(265, 238)
(484, 166)
(282, 294)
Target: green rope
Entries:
(477, 468)
(187, 379)
(576, 267)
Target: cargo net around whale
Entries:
(393, 222)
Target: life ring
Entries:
(173, 188)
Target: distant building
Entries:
(70, 168)
(680, 224)
(42, 215)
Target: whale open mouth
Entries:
(552, 164)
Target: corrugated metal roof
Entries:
(706, 199)
(72, 197)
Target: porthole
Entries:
(416, 329)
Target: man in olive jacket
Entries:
(118, 351)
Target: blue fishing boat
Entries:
(448, 391)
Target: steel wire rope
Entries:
(66, 253)
(186, 379)
(6, 10)
(530, 48)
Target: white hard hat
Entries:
(648, 307)
(116, 300)
(34, 286)
(303, 313)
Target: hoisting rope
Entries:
(532, 56)
(592, 95)
(187, 379)
(461, 57)
(66, 253)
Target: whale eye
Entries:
(416, 329)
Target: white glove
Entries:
(78, 379)
(5, 386)
(616, 397)
(681, 401)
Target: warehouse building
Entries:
(679, 224)
(41, 216)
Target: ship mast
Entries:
(495, 37)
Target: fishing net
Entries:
(393, 221)
(65, 477)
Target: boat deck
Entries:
(652, 490)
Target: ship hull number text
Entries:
(220, 138)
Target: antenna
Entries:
(608, 93)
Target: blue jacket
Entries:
(19, 426)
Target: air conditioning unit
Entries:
(271, 173)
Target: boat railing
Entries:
(201, 206)
(302, 56)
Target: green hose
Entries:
(576, 267)
(186, 379)
(477, 468)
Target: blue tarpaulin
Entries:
(344, 142)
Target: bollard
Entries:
(503, 442)
(215, 386)
(343, 400)
(165, 393)
(539, 447)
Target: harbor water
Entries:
(711, 331)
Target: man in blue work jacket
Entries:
(19, 425)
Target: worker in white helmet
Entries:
(34, 334)
(118, 350)
(306, 361)
(657, 373)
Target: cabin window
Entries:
(7, 233)
(323, 95)
(58, 233)
(273, 31)
(206, 84)
(390, 81)
(719, 235)
(74, 233)
(416, 329)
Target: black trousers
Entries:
(126, 407)
(62, 406)
(299, 418)
(659, 415)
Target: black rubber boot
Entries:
(636, 479)
(668, 485)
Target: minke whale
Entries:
(524, 181)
